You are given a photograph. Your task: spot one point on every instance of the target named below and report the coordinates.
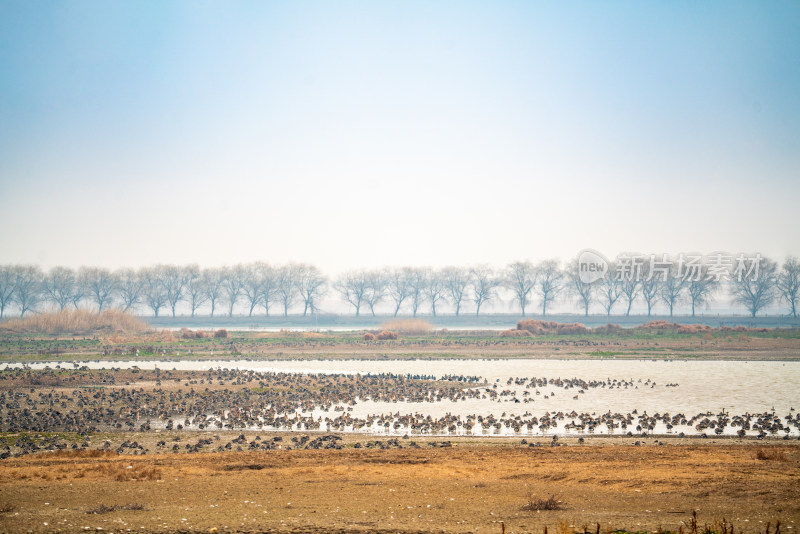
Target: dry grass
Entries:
(76, 322)
(778, 455)
(408, 326)
(535, 505)
(515, 333)
(103, 509)
(458, 489)
(130, 472)
(386, 334)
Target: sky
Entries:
(364, 134)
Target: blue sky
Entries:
(360, 134)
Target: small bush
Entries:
(386, 334)
(779, 455)
(103, 509)
(534, 505)
(221, 333)
(515, 333)
(369, 336)
(536, 327)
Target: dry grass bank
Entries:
(76, 322)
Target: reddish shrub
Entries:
(221, 333)
(571, 328)
(658, 325)
(551, 327)
(387, 334)
(369, 336)
(515, 333)
(608, 329)
(693, 328)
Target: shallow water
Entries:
(688, 387)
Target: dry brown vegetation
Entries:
(551, 327)
(472, 486)
(536, 327)
(76, 322)
(386, 334)
(408, 326)
(515, 333)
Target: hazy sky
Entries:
(361, 134)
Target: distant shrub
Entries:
(369, 336)
(608, 329)
(221, 333)
(572, 328)
(542, 504)
(536, 327)
(515, 333)
(658, 325)
(386, 334)
(192, 334)
(693, 328)
(408, 326)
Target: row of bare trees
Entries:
(261, 287)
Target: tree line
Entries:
(261, 288)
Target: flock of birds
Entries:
(83, 401)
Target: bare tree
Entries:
(629, 288)
(28, 293)
(8, 286)
(549, 282)
(100, 285)
(456, 282)
(253, 283)
(700, 288)
(310, 285)
(214, 281)
(233, 279)
(417, 281)
(153, 290)
(287, 286)
(673, 291)
(520, 277)
(174, 284)
(435, 289)
(353, 287)
(375, 289)
(397, 287)
(484, 284)
(194, 287)
(129, 288)
(269, 287)
(583, 292)
(788, 283)
(650, 286)
(610, 289)
(755, 289)
(60, 285)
